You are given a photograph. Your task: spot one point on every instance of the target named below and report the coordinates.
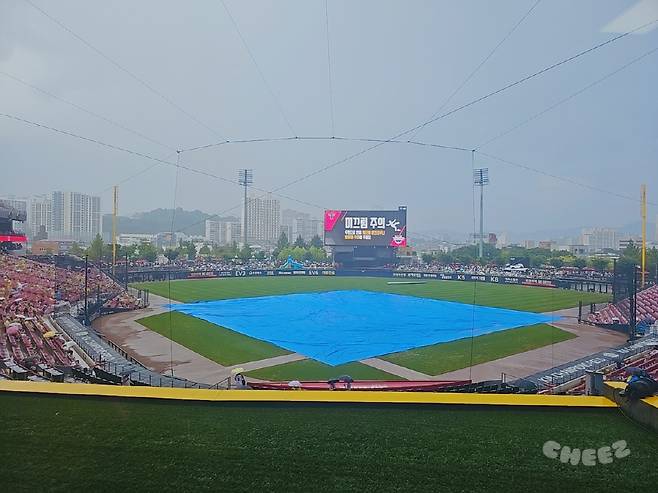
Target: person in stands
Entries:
(343, 378)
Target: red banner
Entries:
(13, 238)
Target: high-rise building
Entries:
(67, 216)
(307, 228)
(222, 231)
(295, 223)
(40, 216)
(215, 232)
(629, 240)
(287, 230)
(502, 239)
(233, 232)
(263, 221)
(599, 239)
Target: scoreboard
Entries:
(365, 228)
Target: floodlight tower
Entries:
(115, 210)
(481, 179)
(643, 200)
(245, 178)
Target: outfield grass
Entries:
(58, 443)
(527, 298)
(449, 356)
(309, 369)
(219, 344)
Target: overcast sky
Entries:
(393, 64)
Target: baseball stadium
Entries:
(201, 377)
(378, 337)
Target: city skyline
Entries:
(294, 223)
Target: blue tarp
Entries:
(338, 327)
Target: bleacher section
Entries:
(42, 285)
(647, 310)
(31, 340)
(617, 372)
(31, 344)
(647, 362)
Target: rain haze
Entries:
(188, 74)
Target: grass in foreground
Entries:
(69, 444)
(527, 298)
(219, 344)
(309, 369)
(449, 356)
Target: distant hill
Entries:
(159, 220)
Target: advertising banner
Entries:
(365, 228)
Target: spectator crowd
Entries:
(30, 290)
(209, 264)
(546, 272)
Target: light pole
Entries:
(86, 288)
(245, 178)
(481, 179)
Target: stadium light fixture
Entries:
(481, 179)
(245, 179)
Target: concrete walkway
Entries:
(394, 369)
(265, 363)
(155, 351)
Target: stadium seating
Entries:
(30, 339)
(42, 285)
(647, 362)
(647, 309)
(123, 301)
(29, 291)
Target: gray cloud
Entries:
(393, 64)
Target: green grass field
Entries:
(58, 443)
(229, 348)
(449, 356)
(309, 369)
(219, 344)
(527, 298)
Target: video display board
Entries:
(371, 228)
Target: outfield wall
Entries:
(315, 396)
(576, 284)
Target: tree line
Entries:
(147, 251)
(538, 257)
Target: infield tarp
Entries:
(338, 327)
